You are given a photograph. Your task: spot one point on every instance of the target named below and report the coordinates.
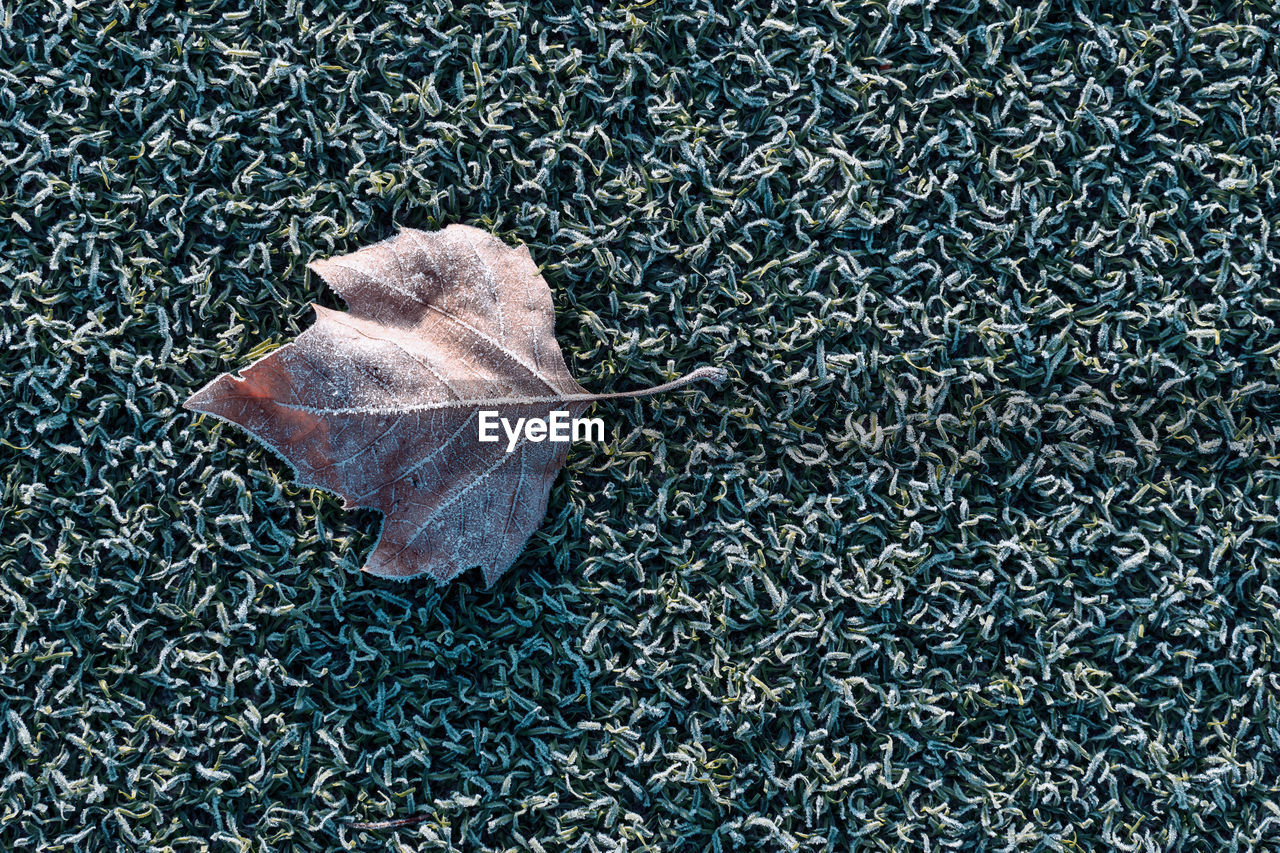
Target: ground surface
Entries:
(976, 550)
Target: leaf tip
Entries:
(491, 575)
(324, 268)
(381, 570)
(198, 401)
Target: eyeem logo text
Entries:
(559, 427)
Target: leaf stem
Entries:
(715, 375)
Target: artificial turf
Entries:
(976, 550)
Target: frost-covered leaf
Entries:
(380, 405)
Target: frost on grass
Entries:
(979, 553)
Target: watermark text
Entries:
(559, 426)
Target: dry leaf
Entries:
(380, 405)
